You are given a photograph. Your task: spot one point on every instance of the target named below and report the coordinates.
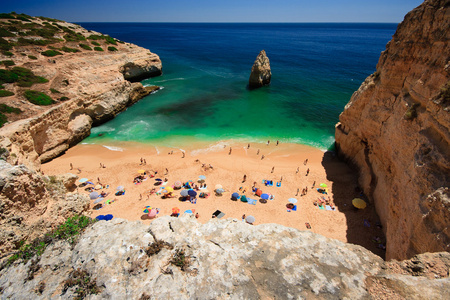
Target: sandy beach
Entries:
(122, 162)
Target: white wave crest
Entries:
(112, 148)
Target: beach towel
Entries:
(327, 207)
(218, 214)
(100, 217)
(321, 207)
(278, 184)
(270, 183)
(251, 201)
(108, 217)
(295, 208)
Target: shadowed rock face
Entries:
(222, 259)
(396, 131)
(260, 74)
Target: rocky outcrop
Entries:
(395, 130)
(261, 73)
(179, 258)
(97, 85)
(32, 204)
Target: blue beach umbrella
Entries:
(265, 196)
(188, 211)
(184, 193)
(192, 193)
(220, 191)
(120, 188)
(83, 180)
(108, 217)
(235, 195)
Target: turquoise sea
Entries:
(204, 96)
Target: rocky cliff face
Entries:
(31, 204)
(179, 258)
(96, 85)
(395, 130)
(261, 73)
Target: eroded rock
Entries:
(261, 73)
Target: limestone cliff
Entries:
(179, 258)
(261, 73)
(395, 130)
(88, 86)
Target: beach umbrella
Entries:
(323, 185)
(152, 213)
(258, 192)
(89, 182)
(192, 193)
(218, 186)
(98, 187)
(164, 191)
(359, 203)
(292, 200)
(188, 211)
(83, 180)
(93, 195)
(141, 171)
(176, 210)
(120, 188)
(201, 178)
(169, 189)
(158, 179)
(265, 196)
(108, 217)
(250, 219)
(184, 193)
(147, 209)
(98, 200)
(235, 195)
(178, 184)
(220, 191)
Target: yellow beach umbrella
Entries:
(359, 203)
(141, 171)
(169, 189)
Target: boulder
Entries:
(260, 74)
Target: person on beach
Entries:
(71, 166)
(262, 157)
(167, 171)
(273, 168)
(298, 190)
(297, 170)
(277, 142)
(79, 170)
(248, 147)
(197, 215)
(314, 183)
(243, 217)
(145, 162)
(142, 161)
(257, 152)
(183, 155)
(281, 179)
(245, 178)
(268, 142)
(229, 153)
(306, 190)
(307, 172)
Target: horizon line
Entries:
(184, 22)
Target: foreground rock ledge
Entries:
(260, 74)
(227, 259)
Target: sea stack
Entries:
(260, 74)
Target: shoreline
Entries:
(228, 170)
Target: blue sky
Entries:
(389, 11)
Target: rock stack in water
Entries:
(261, 74)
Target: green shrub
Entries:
(95, 43)
(3, 119)
(23, 54)
(54, 91)
(22, 18)
(5, 45)
(8, 63)
(4, 32)
(9, 110)
(98, 49)
(38, 98)
(26, 42)
(51, 53)
(70, 50)
(411, 112)
(95, 37)
(26, 77)
(63, 98)
(111, 48)
(4, 93)
(6, 16)
(7, 53)
(85, 47)
(110, 40)
(74, 37)
(32, 57)
(7, 76)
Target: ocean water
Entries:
(204, 96)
